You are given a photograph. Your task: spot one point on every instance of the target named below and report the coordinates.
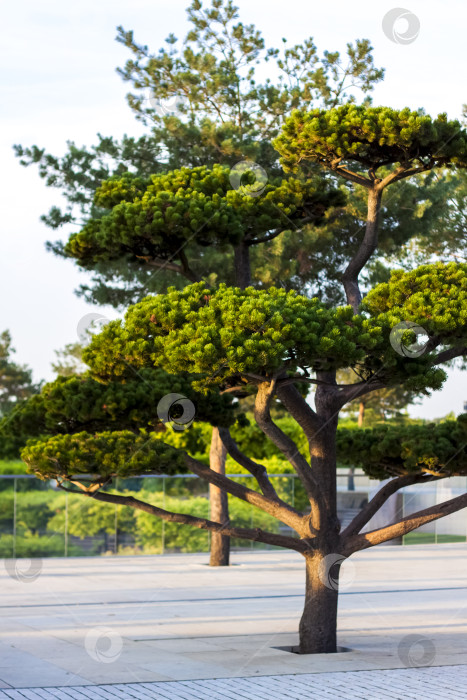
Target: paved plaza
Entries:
(171, 627)
(443, 683)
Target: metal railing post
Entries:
(14, 518)
(403, 512)
(116, 521)
(116, 530)
(163, 522)
(66, 524)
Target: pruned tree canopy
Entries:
(371, 138)
(232, 338)
(350, 139)
(71, 405)
(228, 334)
(438, 449)
(145, 212)
(152, 220)
(103, 456)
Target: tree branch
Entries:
(300, 378)
(365, 250)
(289, 449)
(264, 239)
(350, 175)
(400, 174)
(162, 264)
(298, 408)
(279, 510)
(354, 391)
(257, 470)
(392, 177)
(450, 354)
(255, 534)
(372, 507)
(404, 526)
(239, 390)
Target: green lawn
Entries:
(430, 538)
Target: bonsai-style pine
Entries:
(205, 100)
(152, 222)
(71, 405)
(265, 342)
(372, 147)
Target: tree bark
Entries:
(361, 414)
(318, 624)
(242, 265)
(220, 544)
(323, 458)
(365, 251)
(247, 533)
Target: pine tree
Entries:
(265, 342)
(226, 117)
(228, 114)
(304, 256)
(360, 144)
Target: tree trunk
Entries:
(323, 453)
(361, 414)
(242, 265)
(220, 544)
(365, 251)
(318, 624)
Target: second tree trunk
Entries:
(220, 544)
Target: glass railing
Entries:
(451, 528)
(39, 520)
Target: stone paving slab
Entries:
(120, 620)
(433, 683)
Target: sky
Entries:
(58, 81)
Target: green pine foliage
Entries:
(228, 337)
(371, 137)
(106, 454)
(15, 380)
(225, 334)
(388, 450)
(151, 220)
(79, 403)
(434, 296)
(230, 332)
